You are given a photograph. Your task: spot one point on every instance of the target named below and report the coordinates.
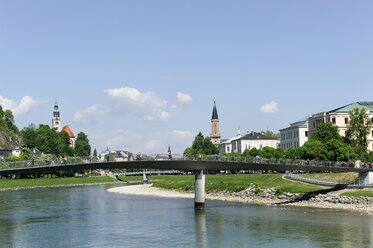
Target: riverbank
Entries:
(330, 200)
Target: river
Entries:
(91, 217)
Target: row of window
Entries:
(290, 144)
(286, 136)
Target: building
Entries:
(56, 121)
(226, 145)
(56, 124)
(295, 135)
(341, 117)
(248, 141)
(71, 135)
(254, 139)
(215, 134)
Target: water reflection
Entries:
(92, 217)
(201, 230)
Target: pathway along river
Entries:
(91, 217)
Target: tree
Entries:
(309, 149)
(326, 131)
(271, 134)
(336, 150)
(29, 136)
(9, 119)
(358, 129)
(202, 145)
(292, 153)
(95, 153)
(82, 147)
(26, 154)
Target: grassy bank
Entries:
(235, 183)
(342, 177)
(358, 193)
(21, 183)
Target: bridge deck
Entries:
(192, 165)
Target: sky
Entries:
(142, 75)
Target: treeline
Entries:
(325, 144)
(47, 140)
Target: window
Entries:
(261, 146)
(228, 148)
(306, 133)
(346, 120)
(333, 120)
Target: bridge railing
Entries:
(49, 161)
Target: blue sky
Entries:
(140, 75)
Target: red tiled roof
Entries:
(68, 131)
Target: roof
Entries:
(230, 140)
(347, 108)
(68, 131)
(214, 112)
(255, 136)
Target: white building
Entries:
(341, 117)
(248, 141)
(226, 145)
(295, 135)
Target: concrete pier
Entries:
(199, 195)
(145, 177)
(366, 177)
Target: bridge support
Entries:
(366, 177)
(199, 195)
(145, 177)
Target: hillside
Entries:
(9, 139)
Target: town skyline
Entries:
(141, 80)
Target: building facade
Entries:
(56, 121)
(248, 141)
(215, 134)
(340, 117)
(295, 135)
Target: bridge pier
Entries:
(366, 177)
(145, 177)
(199, 192)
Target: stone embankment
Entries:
(255, 195)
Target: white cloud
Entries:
(122, 138)
(130, 97)
(153, 145)
(147, 105)
(90, 112)
(270, 108)
(25, 105)
(183, 134)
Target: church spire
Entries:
(56, 121)
(215, 134)
(214, 112)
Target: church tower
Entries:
(215, 135)
(56, 121)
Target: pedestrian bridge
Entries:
(185, 163)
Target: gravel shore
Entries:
(330, 200)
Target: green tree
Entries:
(292, 153)
(358, 129)
(26, 154)
(63, 145)
(9, 119)
(309, 149)
(29, 136)
(82, 147)
(202, 145)
(336, 150)
(326, 131)
(1, 112)
(95, 153)
(271, 134)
